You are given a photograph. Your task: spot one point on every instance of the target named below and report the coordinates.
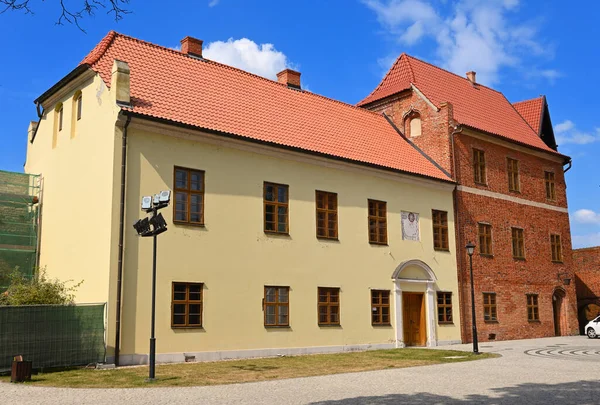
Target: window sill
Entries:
(441, 250)
(480, 184)
(521, 259)
(274, 233)
(187, 327)
(379, 325)
(446, 323)
(278, 327)
(378, 243)
(330, 326)
(534, 321)
(489, 256)
(325, 238)
(558, 261)
(496, 321)
(189, 224)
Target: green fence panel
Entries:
(52, 335)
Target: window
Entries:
(556, 248)
(550, 190)
(78, 101)
(275, 198)
(415, 126)
(329, 306)
(518, 245)
(479, 166)
(533, 310)
(513, 174)
(490, 310)
(380, 307)
(277, 305)
(189, 196)
(377, 222)
(440, 230)
(60, 118)
(485, 239)
(186, 305)
(327, 220)
(444, 307)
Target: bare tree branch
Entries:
(70, 15)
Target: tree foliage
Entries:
(70, 13)
(40, 290)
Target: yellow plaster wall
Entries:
(235, 259)
(77, 173)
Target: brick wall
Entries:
(587, 281)
(511, 279)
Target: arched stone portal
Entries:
(414, 304)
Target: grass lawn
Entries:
(239, 371)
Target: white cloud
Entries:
(263, 59)
(585, 216)
(213, 3)
(589, 240)
(476, 35)
(566, 132)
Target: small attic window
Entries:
(59, 110)
(413, 125)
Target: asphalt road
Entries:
(563, 370)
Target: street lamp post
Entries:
(470, 249)
(153, 226)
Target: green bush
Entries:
(40, 290)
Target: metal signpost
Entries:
(153, 226)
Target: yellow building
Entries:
(298, 224)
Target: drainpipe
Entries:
(570, 163)
(459, 252)
(121, 233)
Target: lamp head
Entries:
(470, 248)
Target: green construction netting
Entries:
(19, 195)
(52, 335)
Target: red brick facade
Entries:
(451, 146)
(587, 281)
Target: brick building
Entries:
(586, 263)
(510, 197)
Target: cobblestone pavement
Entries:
(561, 370)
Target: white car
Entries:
(592, 329)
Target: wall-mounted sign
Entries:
(410, 226)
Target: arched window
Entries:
(414, 125)
(76, 112)
(58, 123)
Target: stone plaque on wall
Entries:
(410, 226)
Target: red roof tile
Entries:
(531, 111)
(169, 85)
(476, 106)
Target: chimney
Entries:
(289, 77)
(191, 46)
(120, 82)
(472, 77)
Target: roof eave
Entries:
(56, 87)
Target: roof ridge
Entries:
(452, 73)
(541, 96)
(412, 73)
(204, 60)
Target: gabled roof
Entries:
(531, 111)
(167, 84)
(475, 105)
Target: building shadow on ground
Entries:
(580, 392)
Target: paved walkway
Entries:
(562, 370)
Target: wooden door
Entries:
(414, 319)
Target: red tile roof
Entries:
(169, 85)
(531, 111)
(476, 106)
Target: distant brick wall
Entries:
(509, 278)
(587, 281)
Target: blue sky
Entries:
(343, 48)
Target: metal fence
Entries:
(52, 335)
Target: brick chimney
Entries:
(472, 77)
(191, 46)
(289, 77)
